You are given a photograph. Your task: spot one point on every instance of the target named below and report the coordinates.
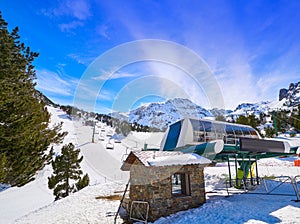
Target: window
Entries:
(198, 136)
(220, 130)
(180, 184)
(230, 138)
(246, 131)
(254, 134)
(198, 131)
(238, 131)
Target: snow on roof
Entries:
(163, 158)
(181, 159)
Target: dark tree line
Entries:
(282, 120)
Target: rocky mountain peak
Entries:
(290, 95)
(161, 114)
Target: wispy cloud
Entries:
(103, 30)
(237, 84)
(68, 27)
(174, 82)
(107, 75)
(53, 82)
(77, 11)
(106, 95)
(80, 9)
(81, 58)
(273, 82)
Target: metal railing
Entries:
(139, 211)
(247, 187)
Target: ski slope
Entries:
(102, 165)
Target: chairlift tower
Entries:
(94, 127)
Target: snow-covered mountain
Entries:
(290, 97)
(160, 115)
(119, 115)
(251, 108)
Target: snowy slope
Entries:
(82, 207)
(102, 165)
(18, 201)
(251, 108)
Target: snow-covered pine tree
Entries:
(83, 182)
(67, 173)
(24, 132)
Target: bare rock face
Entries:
(291, 95)
(282, 94)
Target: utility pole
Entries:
(94, 126)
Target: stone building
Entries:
(163, 183)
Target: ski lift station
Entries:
(171, 178)
(195, 131)
(225, 142)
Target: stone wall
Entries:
(153, 185)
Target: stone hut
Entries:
(163, 183)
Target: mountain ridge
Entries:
(161, 114)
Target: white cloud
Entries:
(107, 75)
(106, 95)
(52, 82)
(81, 59)
(67, 27)
(103, 31)
(177, 83)
(79, 9)
(237, 85)
(270, 84)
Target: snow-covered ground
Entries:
(34, 202)
(102, 165)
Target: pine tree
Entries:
(83, 182)
(270, 132)
(253, 121)
(66, 171)
(242, 120)
(296, 119)
(24, 133)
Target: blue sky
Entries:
(252, 48)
